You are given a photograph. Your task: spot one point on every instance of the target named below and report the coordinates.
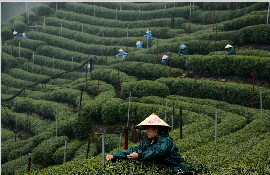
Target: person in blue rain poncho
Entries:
(149, 34)
(182, 50)
(139, 44)
(158, 148)
(121, 53)
(24, 36)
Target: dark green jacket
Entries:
(183, 51)
(230, 52)
(162, 150)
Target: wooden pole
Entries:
(128, 109)
(166, 112)
(135, 122)
(33, 62)
(126, 138)
(88, 147)
(103, 148)
(149, 43)
(213, 18)
(173, 117)
(15, 132)
(157, 53)
(44, 162)
(209, 14)
(29, 163)
(27, 129)
(233, 9)
(216, 40)
(181, 123)
(253, 87)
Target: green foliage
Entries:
(25, 53)
(146, 70)
(72, 147)
(19, 24)
(230, 92)
(8, 62)
(46, 149)
(110, 111)
(28, 43)
(74, 45)
(42, 9)
(6, 134)
(24, 75)
(127, 15)
(144, 88)
(110, 76)
(111, 142)
(254, 52)
(6, 33)
(13, 82)
(85, 121)
(107, 31)
(82, 151)
(225, 65)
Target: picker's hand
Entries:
(133, 156)
(109, 157)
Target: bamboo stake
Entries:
(170, 65)
(157, 53)
(216, 127)
(65, 151)
(261, 103)
(103, 148)
(29, 163)
(128, 108)
(98, 87)
(117, 95)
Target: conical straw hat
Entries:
(14, 32)
(138, 42)
(121, 50)
(148, 31)
(228, 46)
(153, 120)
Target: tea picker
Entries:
(139, 44)
(121, 53)
(158, 148)
(165, 60)
(24, 36)
(230, 50)
(183, 50)
(148, 34)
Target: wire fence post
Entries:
(44, 23)
(94, 10)
(53, 65)
(103, 148)
(117, 93)
(19, 49)
(56, 120)
(82, 32)
(106, 56)
(181, 122)
(216, 127)
(157, 53)
(253, 87)
(86, 80)
(33, 57)
(170, 75)
(116, 14)
(65, 151)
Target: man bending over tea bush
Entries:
(158, 148)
